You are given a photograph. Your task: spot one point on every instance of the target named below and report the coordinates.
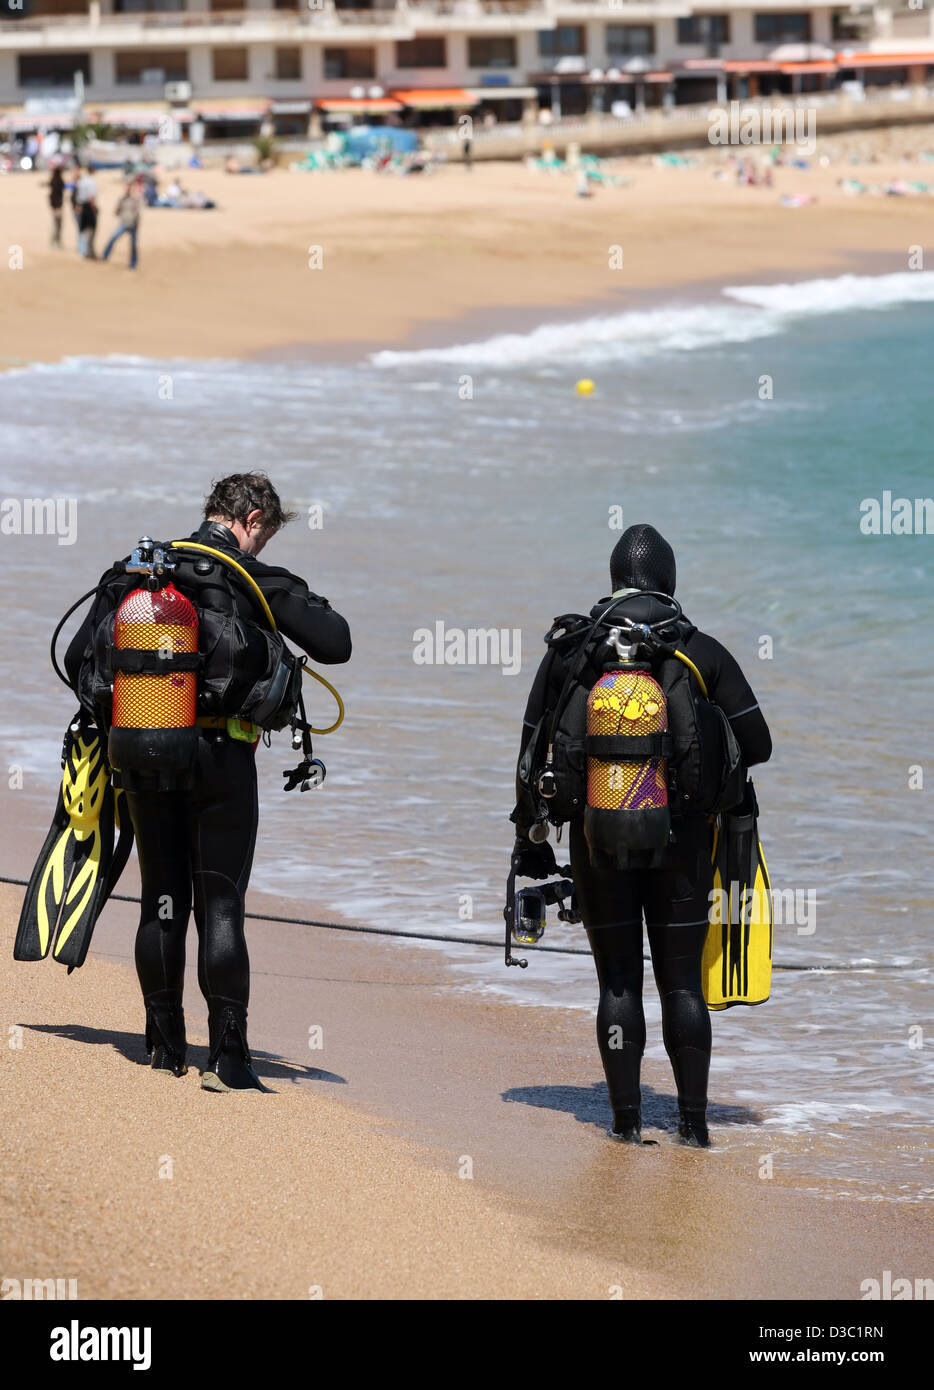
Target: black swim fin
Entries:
(82, 858)
(737, 961)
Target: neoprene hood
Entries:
(643, 559)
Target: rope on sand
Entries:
(467, 940)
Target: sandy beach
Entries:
(348, 1177)
(444, 1141)
(402, 258)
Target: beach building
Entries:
(298, 67)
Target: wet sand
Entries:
(400, 258)
(347, 1177)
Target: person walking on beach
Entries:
(56, 187)
(670, 886)
(128, 214)
(75, 205)
(84, 200)
(195, 843)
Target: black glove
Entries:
(533, 861)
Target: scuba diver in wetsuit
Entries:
(674, 896)
(195, 842)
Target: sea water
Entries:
(472, 487)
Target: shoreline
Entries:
(480, 325)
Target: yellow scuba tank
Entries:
(627, 749)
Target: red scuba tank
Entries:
(155, 691)
(627, 768)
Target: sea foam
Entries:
(743, 314)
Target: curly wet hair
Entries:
(239, 494)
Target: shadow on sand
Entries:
(131, 1046)
(590, 1105)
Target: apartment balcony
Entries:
(398, 20)
(477, 16)
(623, 11)
(168, 28)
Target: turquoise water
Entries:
(493, 512)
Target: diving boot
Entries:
(166, 1043)
(230, 1066)
(627, 1126)
(692, 1128)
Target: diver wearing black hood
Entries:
(673, 899)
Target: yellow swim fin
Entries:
(79, 863)
(737, 961)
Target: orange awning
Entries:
(435, 98)
(808, 67)
(884, 60)
(359, 105)
(658, 77)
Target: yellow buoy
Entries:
(585, 387)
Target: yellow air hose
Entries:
(690, 664)
(261, 597)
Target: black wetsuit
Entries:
(674, 900)
(197, 845)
